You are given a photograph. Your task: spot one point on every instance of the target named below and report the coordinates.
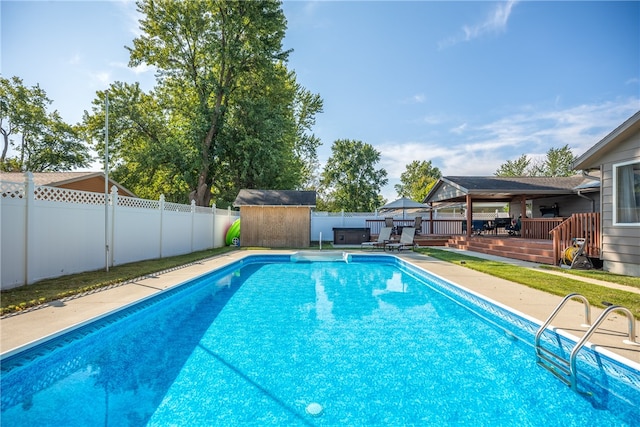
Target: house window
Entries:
(626, 193)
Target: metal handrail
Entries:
(587, 335)
(587, 317)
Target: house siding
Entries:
(446, 192)
(620, 250)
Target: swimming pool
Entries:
(370, 339)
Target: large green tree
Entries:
(417, 179)
(350, 180)
(265, 143)
(203, 51)
(45, 143)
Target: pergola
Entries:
(470, 189)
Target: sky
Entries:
(465, 85)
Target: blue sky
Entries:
(466, 85)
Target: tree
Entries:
(145, 150)
(417, 180)
(558, 162)
(202, 51)
(46, 142)
(350, 179)
(306, 105)
(517, 167)
(265, 143)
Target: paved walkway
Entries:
(30, 327)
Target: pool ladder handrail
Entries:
(592, 329)
(568, 367)
(556, 361)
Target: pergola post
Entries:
(431, 218)
(469, 215)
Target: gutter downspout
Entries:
(593, 202)
(585, 173)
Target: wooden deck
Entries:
(539, 251)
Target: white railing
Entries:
(49, 232)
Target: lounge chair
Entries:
(383, 239)
(417, 224)
(388, 222)
(406, 240)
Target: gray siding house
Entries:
(616, 158)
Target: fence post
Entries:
(213, 226)
(193, 222)
(161, 207)
(29, 194)
(114, 204)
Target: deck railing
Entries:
(539, 228)
(581, 225)
(441, 227)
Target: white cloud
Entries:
(480, 148)
(102, 78)
(75, 59)
(418, 98)
(130, 12)
(495, 22)
(137, 70)
(459, 129)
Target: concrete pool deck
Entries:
(25, 328)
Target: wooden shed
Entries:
(275, 218)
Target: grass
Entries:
(551, 283)
(633, 282)
(23, 297)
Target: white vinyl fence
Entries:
(49, 232)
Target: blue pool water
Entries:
(374, 341)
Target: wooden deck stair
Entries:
(431, 240)
(539, 251)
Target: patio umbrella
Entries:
(405, 204)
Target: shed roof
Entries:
(591, 158)
(495, 188)
(275, 198)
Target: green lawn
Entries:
(552, 283)
(23, 297)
